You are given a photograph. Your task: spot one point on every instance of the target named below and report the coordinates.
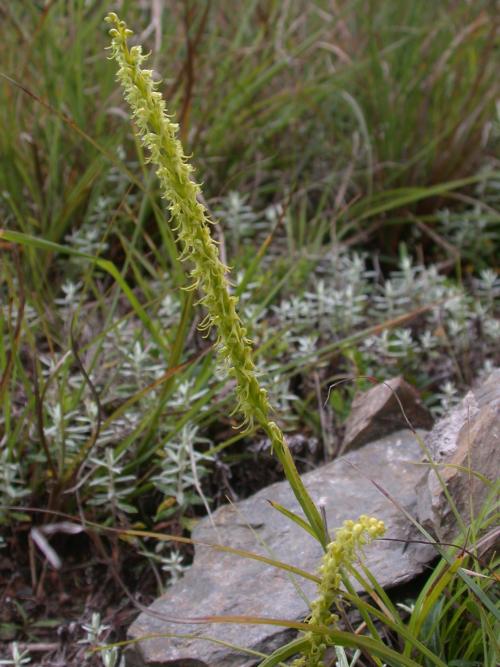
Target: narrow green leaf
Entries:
(293, 517)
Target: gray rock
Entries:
(377, 412)
(466, 440)
(224, 584)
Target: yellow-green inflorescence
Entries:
(342, 551)
(159, 135)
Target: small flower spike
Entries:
(342, 551)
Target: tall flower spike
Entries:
(158, 134)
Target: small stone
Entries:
(377, 412)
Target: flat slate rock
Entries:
(224, 584)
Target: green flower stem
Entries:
(159, 135)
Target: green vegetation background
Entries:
(349, 151)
